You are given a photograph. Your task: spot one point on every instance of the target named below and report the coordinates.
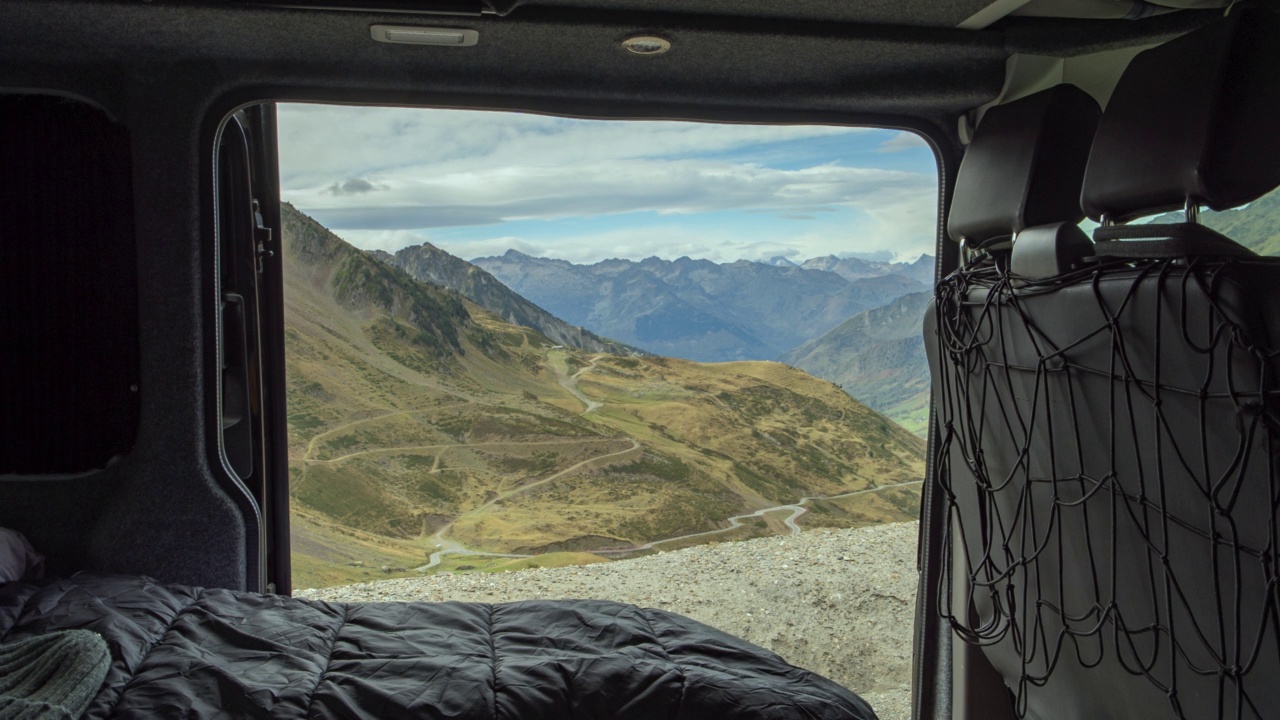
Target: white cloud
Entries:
(668, 241)
(376, 175)
(496, 195)
(898, 212)
(321, 144)
(353, 186)
(903, 141)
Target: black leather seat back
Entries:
(1109, 435)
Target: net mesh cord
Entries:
(1107, 456)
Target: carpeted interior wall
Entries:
(70, 296)
(103, 461)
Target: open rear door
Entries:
(253, 439)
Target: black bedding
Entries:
(181, 652)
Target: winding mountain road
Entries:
(445, 546)
(797, 509)
(452, 547)
(447, 446)
(635, 445)
(570, 383)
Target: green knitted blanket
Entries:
(51, 676)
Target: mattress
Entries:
(189, 652)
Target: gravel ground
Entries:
(837, 602)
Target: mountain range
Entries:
(706, 311)
(427, 431)
(429, 264)
(853, 268)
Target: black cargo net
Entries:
(1108, 459)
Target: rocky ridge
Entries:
(429, 264)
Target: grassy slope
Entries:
(411, 408)
(1257, 226)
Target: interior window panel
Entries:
(69, 354)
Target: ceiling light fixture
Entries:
(411, 35)
(646, 45)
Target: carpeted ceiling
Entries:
(553, 55)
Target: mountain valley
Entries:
(440, 420)
(428, 432)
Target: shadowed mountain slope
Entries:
(878, 357)
(429, 264)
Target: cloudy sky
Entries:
(479, 183)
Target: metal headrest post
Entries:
(1192, 211)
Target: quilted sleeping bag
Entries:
(182, 652)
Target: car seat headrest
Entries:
(1047, 251)
(1196, 118)
(1024, 166)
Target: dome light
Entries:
(646, 45)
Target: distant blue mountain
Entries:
(707, 311)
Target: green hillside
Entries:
(421, 423)
(1256, 226)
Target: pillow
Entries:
(17, 558)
